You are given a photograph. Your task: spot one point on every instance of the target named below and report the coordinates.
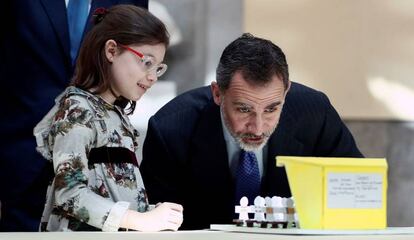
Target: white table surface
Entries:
(187, 235)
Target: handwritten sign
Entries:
(354, 190)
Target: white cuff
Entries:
(115, 216)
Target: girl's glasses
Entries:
(148, 62)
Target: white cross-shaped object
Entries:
(259, 209)
(279, 210)
(269, 210)
(289, 205)
(243, 210)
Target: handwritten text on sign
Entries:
(354, 190)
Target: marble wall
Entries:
(393, 140)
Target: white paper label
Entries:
(354, 190)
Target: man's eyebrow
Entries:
(275, 104)
(241, 104)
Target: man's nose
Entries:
(256, 125)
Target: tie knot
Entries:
(248, 153)
(248, 160)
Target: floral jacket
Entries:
(91, 144)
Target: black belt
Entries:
(112, 155)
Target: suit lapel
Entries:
(281, 143)
(56, 11)
(210, 164)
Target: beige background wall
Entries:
(359, 52)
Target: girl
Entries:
(88, 136)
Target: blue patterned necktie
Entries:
(77, 16)
(247, 177)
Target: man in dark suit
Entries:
(210, 146)
(36, 65)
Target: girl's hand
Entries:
(165, 216)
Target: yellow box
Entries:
(338, 193)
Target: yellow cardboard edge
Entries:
(332, 161)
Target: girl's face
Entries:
(132, 77)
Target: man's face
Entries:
(251, 113)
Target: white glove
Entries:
(165, 216)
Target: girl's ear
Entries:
(110, 50)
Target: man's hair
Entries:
(125, 24)
(257, 59)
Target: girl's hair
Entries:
(125, 24)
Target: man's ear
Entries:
(288, 88)
(215, 91)
(110, 50)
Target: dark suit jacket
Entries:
(185, 158)
(35, 67)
